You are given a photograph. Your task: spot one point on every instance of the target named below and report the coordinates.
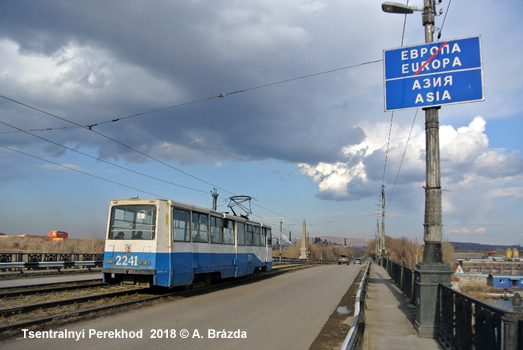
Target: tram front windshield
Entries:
(132, 222)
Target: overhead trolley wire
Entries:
(404, 26)
(391, 120)
(413, 122)
(81, 171)
(387, 150)
(444, 19)
(402, 158)
(116, 141)
(111, 139)
(221, 95)
(343, 220)
(101, 160)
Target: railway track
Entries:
(33, 307)
(10, 292)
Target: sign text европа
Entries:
(433, 74)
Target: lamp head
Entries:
(394, 7)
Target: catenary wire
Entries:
(129, 147)
(102, 160)
(402, 158)
(221, 95)
(404, 26)
(113, 140)
(444, 18)
(387, 150)
(80, 171)
(90, 127)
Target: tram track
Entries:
(29, 305)
(10, 292)
(24, 311)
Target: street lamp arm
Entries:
(394, 7)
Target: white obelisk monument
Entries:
(303, 248)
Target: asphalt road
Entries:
(283, 312)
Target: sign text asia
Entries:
(433, 74)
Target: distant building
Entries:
(492, 267)
(43, 238)
(505, 281)
(467, 256)
(469, 279)
(58, 234)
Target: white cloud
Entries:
(92, 63)
(80, 74)
(516, 192)
(468, 231)
(467, 161)
(465, 143)
(333, 179)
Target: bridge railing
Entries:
(466, 322)
(403, 276)
(9, 257)
(354, 339)
(58, 265)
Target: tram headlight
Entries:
(110, 261)
(144, 263)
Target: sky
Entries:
(282, 101)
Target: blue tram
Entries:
(160, 242)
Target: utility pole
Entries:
(377, 240)
(432, 270)
(433, 218)
(281, 228)
(215, 195)
(382, 224)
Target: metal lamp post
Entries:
(432, 270)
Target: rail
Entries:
(466, 323)
(276, 260)
(9, 257)
(37, 265)
(354, 339)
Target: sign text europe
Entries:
(433, 74)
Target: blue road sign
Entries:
(433, 74)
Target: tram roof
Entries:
(181, 205)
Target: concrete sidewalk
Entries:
(390, 317)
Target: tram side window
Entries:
(181, 226)
(248, 235)
(263, 234)
(256, 236)
(240, 230)
(228, 231)
(216, 230)
(269, 237)
(200, 232)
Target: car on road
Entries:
(357, 261)
(343, 259)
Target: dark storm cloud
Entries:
(192, 49)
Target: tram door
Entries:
(181, 255)
(200, 243)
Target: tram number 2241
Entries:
(125, 260)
